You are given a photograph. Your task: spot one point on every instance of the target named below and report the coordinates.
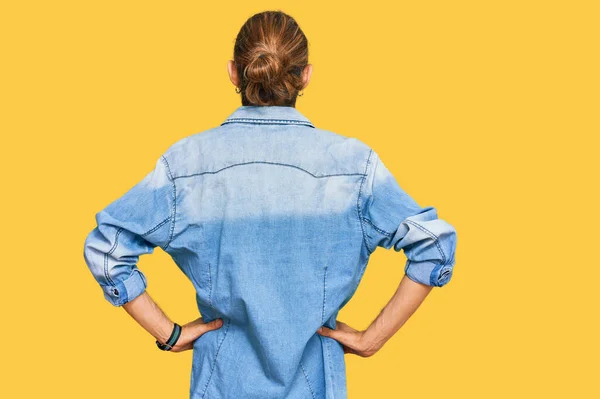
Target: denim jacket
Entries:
(273, 221)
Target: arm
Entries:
(392, 219)
(406, 300)
(131, 226)
(150, 316)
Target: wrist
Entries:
(172, 340)
(165, 332)
(371, 340)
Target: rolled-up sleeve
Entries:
(130, 226)
(393, 219)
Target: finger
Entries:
(181, 348)
(340, 325)
(323, 331)
(196, 328)
(348, 349)
(198, 322)
(212, 325)
(338, 335)
(187, 346)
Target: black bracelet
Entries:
(172, 339)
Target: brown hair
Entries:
(270, 53)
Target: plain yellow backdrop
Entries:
(488, 111)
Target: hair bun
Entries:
(266, 68)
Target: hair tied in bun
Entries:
(269, 53)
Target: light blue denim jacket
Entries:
(273, 221)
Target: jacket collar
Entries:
(269, 114)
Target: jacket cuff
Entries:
(125, 291)
(429, 273)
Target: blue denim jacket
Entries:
(273, 221)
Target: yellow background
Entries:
(488, 111)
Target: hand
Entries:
(192, 331)
(352, 340)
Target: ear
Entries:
(306, 74)
(233, 75)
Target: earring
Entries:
(238, 90)
(301, 94)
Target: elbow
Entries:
(93, 256)
(119, 285)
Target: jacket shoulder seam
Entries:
(360, 217)
(173, 206)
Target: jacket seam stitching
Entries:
(360, 217)
(263, 120)
(307, 381)
(159, 225)
(116, 243)
(323, 315)
(435, 238)
(215, 359)
(106, 254)
(377, 228)
(327, 343)
(269, 163)
(267, 120)
(210, 287)
(174, 206)
(324, 294)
